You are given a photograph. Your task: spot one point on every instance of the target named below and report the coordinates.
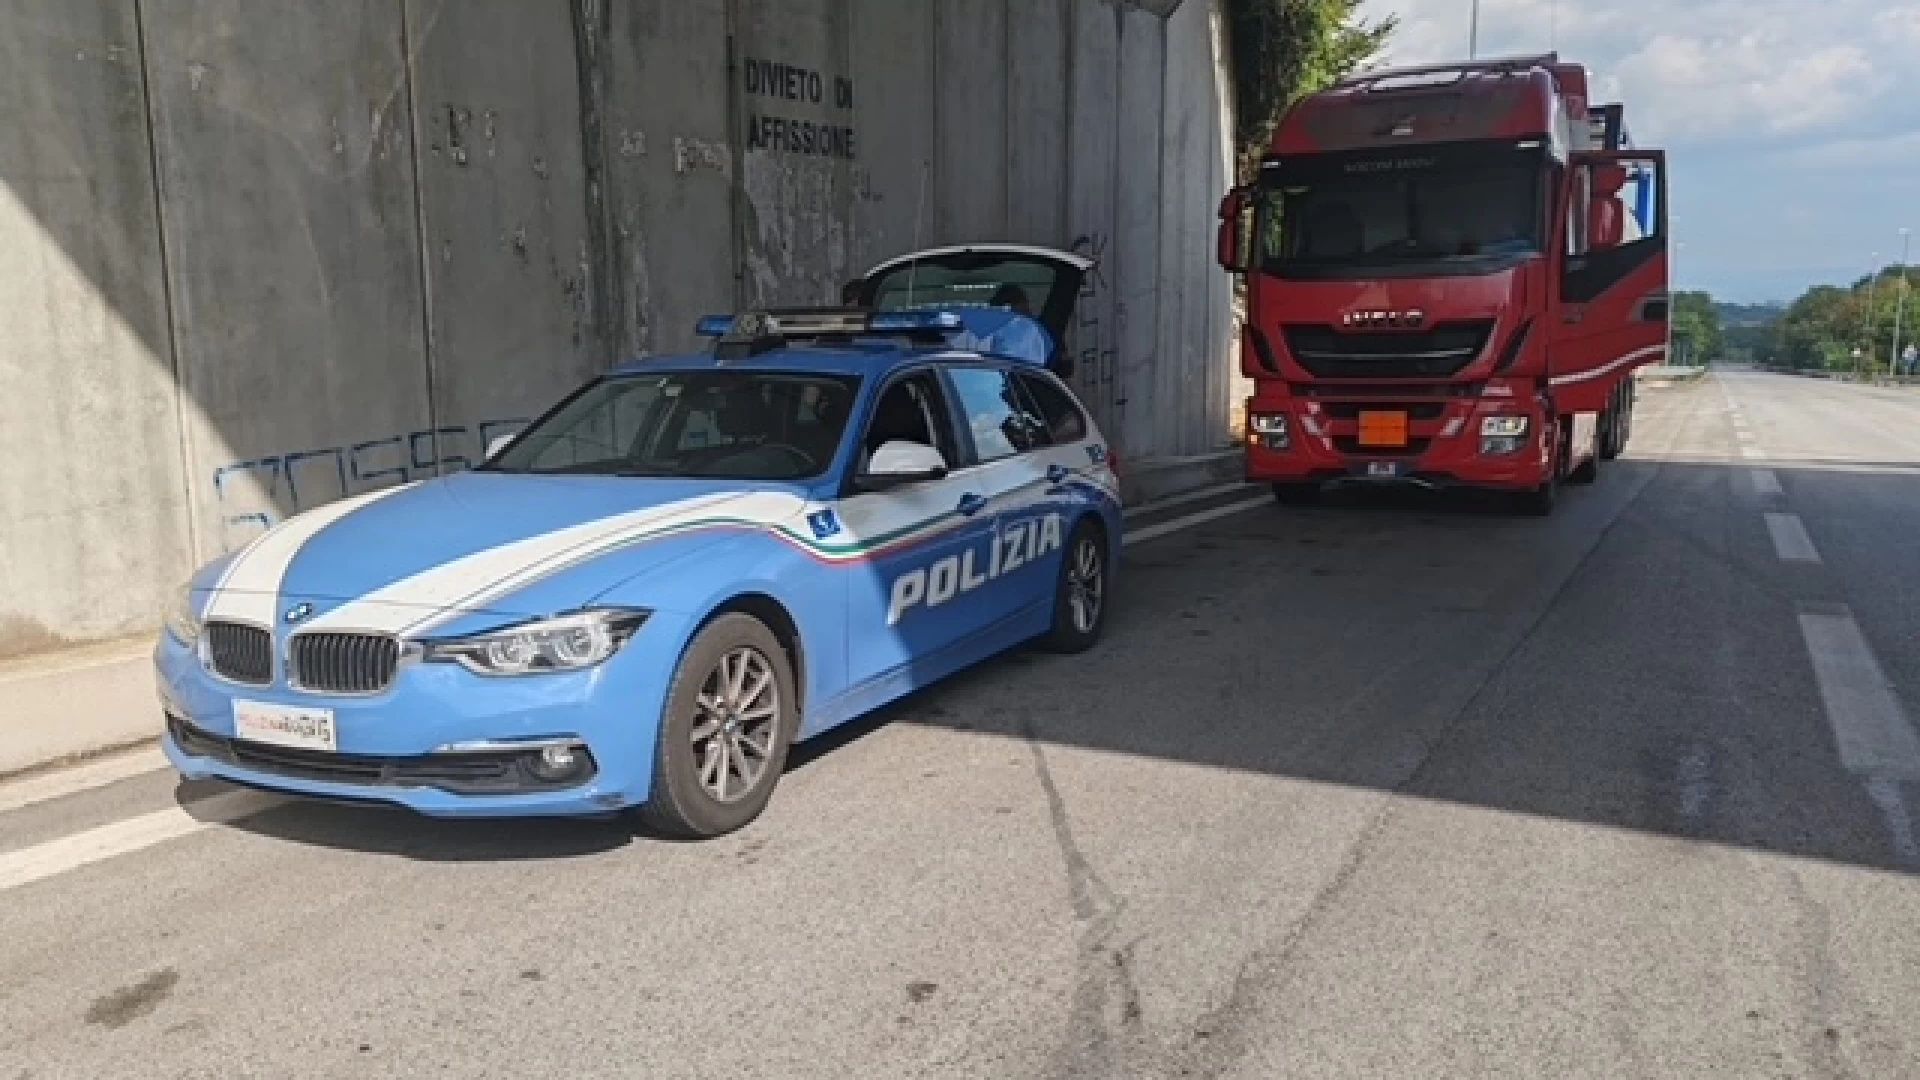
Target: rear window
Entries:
(1012, 281)
(1063, 420)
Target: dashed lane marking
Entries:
(19, 794)
(56, 857)
(1765, 482)
(1790, 540)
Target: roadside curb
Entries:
(1153, 480)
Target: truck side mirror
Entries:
(1234, 244)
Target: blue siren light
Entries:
(907, 322)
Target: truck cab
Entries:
(1451, 274)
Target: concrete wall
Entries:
(259, 254)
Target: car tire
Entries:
(1296, 494)
(713, 708)
(1080, 595)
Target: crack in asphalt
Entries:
(1105, 995)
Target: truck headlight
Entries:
(180, 619)
(1271, 428)
(566, 643)
(1502, 435)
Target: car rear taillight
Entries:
(1113, 462)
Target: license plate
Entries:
(1383, 428)
(1383, 468)
(279, 725)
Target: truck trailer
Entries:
(1451, 274)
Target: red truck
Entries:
(1452, 273)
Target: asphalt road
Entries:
(1394, 786)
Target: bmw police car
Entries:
(646, 596)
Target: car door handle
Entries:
(970, 504)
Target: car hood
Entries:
(402, 560)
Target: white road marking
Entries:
(1870, 728)
(1183, 499)
(56, 857)
(1695, 775)
(1154, 532)
(1765, 482)
(1790, 540)
(1885, 793)
(94, 774)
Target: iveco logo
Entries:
(299, 613)
(1378, 319)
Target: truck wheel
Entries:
(723, 741)
(1296, 494)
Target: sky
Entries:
(1792, 126)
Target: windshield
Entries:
(737, 425)
(1322, 216)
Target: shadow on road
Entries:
(1646, 674)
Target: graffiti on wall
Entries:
(1095, 353)
(253, 496)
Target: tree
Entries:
(1284, 50)
(1696, 328)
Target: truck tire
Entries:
(1296, 494)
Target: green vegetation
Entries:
(1819, 331)
(1696, 329)
(1286, 49)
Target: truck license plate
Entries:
(278, 725)
(1383, 468)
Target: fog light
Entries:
(561, 761)
(1271, 428)
(1502, 445)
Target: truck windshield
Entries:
(1336, 215)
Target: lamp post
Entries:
(1900, 308)
(1473, 33)
(1873, 279)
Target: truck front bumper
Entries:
(1320, 442)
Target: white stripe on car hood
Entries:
(250, 589)
(415, 605)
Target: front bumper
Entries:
(1443, 446)
(440, 741)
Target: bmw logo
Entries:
(299, 613)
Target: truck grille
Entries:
(344, 663)
(1429, 354)
(240, 653)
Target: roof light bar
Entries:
(827, 321)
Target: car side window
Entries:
(911, 409)
(997, 414)
(1060, 414)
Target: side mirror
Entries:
(1233, 247)
(899, 463)
(496, 444)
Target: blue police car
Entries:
(646, 596)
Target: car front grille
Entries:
(240, 653)
(344, 663)
(1438, 353)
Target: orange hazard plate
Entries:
(1383, 429)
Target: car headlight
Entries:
(180, 619)
(1503, 427)
(566, 643)
(1269, 423)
